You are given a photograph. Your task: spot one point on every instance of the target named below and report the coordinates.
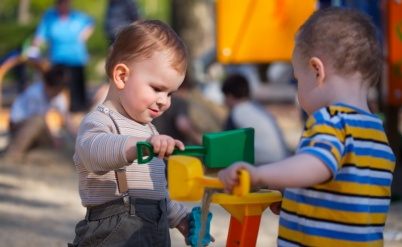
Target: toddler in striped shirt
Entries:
(128, 204)
(337, 186)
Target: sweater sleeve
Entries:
(98, 145)
(176, 212)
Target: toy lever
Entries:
(188, 151)
(243, 188)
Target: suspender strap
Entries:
(122, 180)
(121, 177)
(122, 184)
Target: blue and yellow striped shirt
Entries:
(351, 208)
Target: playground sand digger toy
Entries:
(187, 183)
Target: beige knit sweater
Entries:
(99, 151)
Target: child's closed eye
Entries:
(156, 89)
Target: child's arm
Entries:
(301, 170)
(99, 146)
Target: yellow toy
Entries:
(186, 183)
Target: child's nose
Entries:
(163, 99)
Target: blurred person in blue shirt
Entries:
(66, 32)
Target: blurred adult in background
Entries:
(119, 13)
(269, 143)
(66, 31)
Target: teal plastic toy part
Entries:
(219, 149)
(195, 227)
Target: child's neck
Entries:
(116, 107)
(351, 90)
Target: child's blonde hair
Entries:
(346, 39)
(138, 41)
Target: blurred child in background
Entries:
(269, 142)
(28, 126)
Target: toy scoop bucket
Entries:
(186, 180)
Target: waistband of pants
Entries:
(117, 206)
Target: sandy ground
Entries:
(39, 202)
(39, 206)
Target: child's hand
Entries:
(164, 145)
(184, 228)
(276, 207)
(230, 175)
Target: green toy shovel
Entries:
(219, 149)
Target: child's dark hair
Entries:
(237, 86)
(139, 40)
(346, 39)
(57, 76)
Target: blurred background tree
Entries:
(194, 21)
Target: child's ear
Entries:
(120, 73)
(318, 69)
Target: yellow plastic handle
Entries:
(242, 189)
(244, 184)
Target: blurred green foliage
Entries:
(12, 34)
(155, 9)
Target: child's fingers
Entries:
(179, 144)
(225, 176)
(227, 190)
(163, 149)
(167, 148)
(229, 178)
(222, 175)
(171, 144)
(212, 240)
(162, 146)
(276, 207)
(155, 144)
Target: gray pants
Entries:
(143, 222)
